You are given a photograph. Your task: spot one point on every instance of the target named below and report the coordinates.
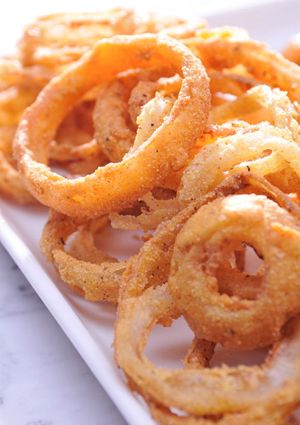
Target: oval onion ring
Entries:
(112, 187)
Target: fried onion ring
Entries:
(61, 38)
(226, 47)
(85, 268)
(233, 321)
(103, 191)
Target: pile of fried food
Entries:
(191, 135)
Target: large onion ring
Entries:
(103, 190)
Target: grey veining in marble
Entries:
(43, 381)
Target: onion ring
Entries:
(226, 47)
(233, 321)
(85, 268)
(101, 192)
(58, 39)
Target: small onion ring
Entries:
(85, 268)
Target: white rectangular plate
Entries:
(90, 326)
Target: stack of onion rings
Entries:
(189, 135)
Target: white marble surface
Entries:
(43, 381)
